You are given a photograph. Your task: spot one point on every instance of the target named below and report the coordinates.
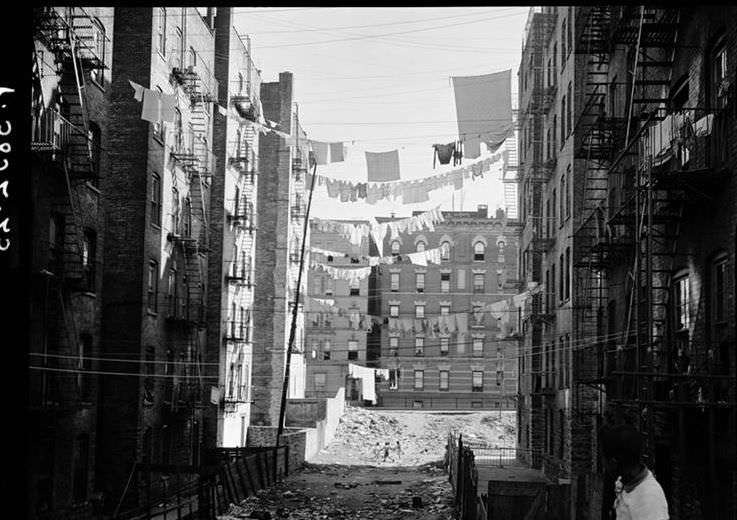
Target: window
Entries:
(98, 44)
(568, 273)
(561, 278)
(175, 211)
(393, 346)
(719, 290)
(240, 83)
(84, 353)
(352, 349)
(155, 199)
(445, 251)
(314, 346)
(554, 206)
(89, 258)
(420, 246)
(419, 379)
(395, 247)
(568, 192)
(569, 114)
(419, 310)
(394, 311)
(555, 135)
(393, 379)
(444, 345)
(328, 286)
(719, 73)
(178, 130)
(548, 144)
(477, 381)
(443, 383)
(479, 249)
(394, 281)
(162, 30)
(178, 49)
(326, 350)
(192, 58)
(570, 29)
(555, 62)
(319, 379)
(56, 242)
(187, 218)
(561, 431)
(242, 322)
(478, 346)
(461, 278)
(171, 293)
(550, 70)
(80, 475)
(563, 120)
(562, 200)
(552, 285)
(354, 288)
(444, 309)
(444, 282)
(94, 135)
(478, 282)
(152, 285)
(682, 303)
(419, 346)
(420, 282)
(563, 53)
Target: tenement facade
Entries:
(69, 171)
(471, 361)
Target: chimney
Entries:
(482, 210)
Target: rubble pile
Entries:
(362, 435)
(336, 492)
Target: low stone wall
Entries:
(294, 438)
(318, 416)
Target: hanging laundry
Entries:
(457, 154)
(138, 90)
(484, 110)
(382, 166)
(321, 152)
(337, 152)
(433, 255)
(418, 258)
(368, 379)
(151, 110)
(443, 153)
(168, 107)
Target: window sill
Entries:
(90, 294)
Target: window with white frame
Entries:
(394, 281)
(477, 381)
(443, 383)
(444, 346)
(479, 282)
(445, 251)
(393, 378)
(393, 346)
(478, 346)
(395, 247)
(419, 310)
(444, 282)
(444, 309)
(479, 251)
(352, 349)
(394, 310)
(326, 346)
(419, 345)
(682, 303)
(419, 379)
(420, 282)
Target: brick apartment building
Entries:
(69, 167)
(157, 199)
(475, 368)
(333, 341)
(281, 209)
(233, 197)
(652, 256)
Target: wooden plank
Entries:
(240, 468)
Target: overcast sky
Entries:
(379, 79)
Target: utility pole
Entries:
(293, 328)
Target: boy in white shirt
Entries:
(638, 495)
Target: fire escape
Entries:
(645, 162)
(70, 41)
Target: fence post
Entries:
(459, 468)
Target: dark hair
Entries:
(622, 442)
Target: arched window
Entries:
(445, 251)
(187, 218)
(420, 246)
(479, 250)
(395, 247)
(240, 83)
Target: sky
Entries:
(378, 79)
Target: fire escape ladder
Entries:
(73, 247)
(87, 164)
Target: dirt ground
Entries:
(358, 492)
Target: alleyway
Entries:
(350, 479)
(355, 492)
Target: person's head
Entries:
(621, 446)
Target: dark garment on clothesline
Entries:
(444, 153)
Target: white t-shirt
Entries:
(646, 501)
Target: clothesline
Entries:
(418, 258)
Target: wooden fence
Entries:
(463, 475)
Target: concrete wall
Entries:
(318, 416)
